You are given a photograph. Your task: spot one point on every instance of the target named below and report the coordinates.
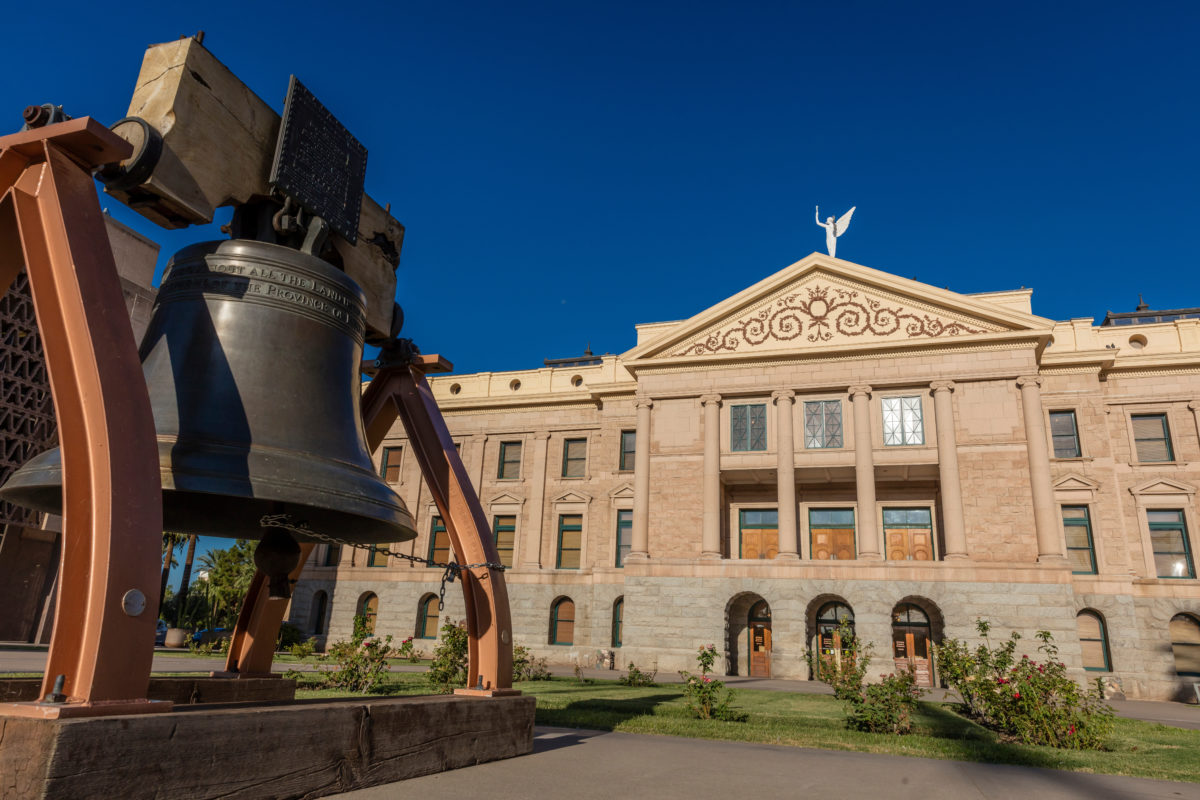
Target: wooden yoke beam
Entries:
(51, 225)
(401, 389)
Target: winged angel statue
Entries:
(834, 229)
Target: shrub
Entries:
(884, 707)
(304, 649)
(635, 677)
(289, 635)
(708, 698)
(579, 676)
(449, 668)
(361, 662)
(408, 650)
(528, 668)
(1022, 699)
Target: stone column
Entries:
(864, 475)
(640, 545)
(785, 474)
(1050, 543)
(1194, 406)
(948, 474)
(537, 502)
(711, 541)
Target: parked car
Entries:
(206, 635)
(160, 635)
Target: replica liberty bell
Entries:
(252, 360)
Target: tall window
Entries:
(504, 526)
(902, 423)
(748, 427)
(1077, 525)
(628, 449)
(574, 458)
(439, 542)
(1093, 640)
(1185, 643)
(570, 536)
(829, 635)
(1065, 434)
(510, 461)
(758, 530)
(624, 534)
(823, 423)
(368, 607)
(376, 558)
(562, 622)
(316, 618)
(1169, 540)
(618, 612)
(333, 555)
(831, 534)
(908, 534)
(1152, 437)
(390, 468)
(427, 617)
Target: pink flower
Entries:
(1041, 668)
(707, 679)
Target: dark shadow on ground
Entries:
(601, 714)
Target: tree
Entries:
(185, 581)
(229, 574)
(171, 543)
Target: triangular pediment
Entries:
(622, 492)
(1075, 482)
(506, 499)
(573, 497)
(1162, 486)
(822, 303)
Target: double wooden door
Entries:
(910, 647)
(760, 649)
(909, 544)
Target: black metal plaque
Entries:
(318, 163)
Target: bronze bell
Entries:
(252, 360)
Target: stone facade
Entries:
(948, 406)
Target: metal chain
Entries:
(451, 570)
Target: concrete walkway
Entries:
(594, 765)
(32, 658)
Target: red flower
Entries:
(1016, 695)
(1004, 680)
(1071, 731)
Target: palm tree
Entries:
(185, 581)
(171, 543)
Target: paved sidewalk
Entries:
(593, 765)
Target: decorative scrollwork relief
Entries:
(817, 313)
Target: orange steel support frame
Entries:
(403, 391)
(52, 227)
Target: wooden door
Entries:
(909, 544)
(760, 650)
(760, 543)
(832, 544)
(910, 647)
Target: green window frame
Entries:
(624, 534)
(427, 617)
(1081, 547)
(509, 468)
(1169, 543)
(831, 519)
(1152, 438)
(909, 518)
(756, 519)
(822, 424)
(1064, 432)
(504, 528)
(628, 451)
(748, 428)
(389, 465)
(439, 542)
(617, 621)
(1093, 641)
(333, 555)
(574, 463)
(376, 557)
(903, 421)
(562, 621)
(570, 540)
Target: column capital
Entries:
(863, 390)
(783, 394)
(1194, 405)
(942, 386)
(1026, 380)
(643, 401)
(705, 399)
(541, 436)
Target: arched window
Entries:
(427, 617)
(316, 616)
(829, 635)
(1185, 642)
(368, 607)
(618, 613)
(562, 621)
(1093, 640)
(910, 641)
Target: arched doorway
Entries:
(316, 617)
(911, 635)
(368, 609)
(831, 644)
(1185, 644)
(759, 623)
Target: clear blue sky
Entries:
(565, 170)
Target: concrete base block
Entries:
(180, 690)
(303, 749)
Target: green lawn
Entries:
(1140, 749)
